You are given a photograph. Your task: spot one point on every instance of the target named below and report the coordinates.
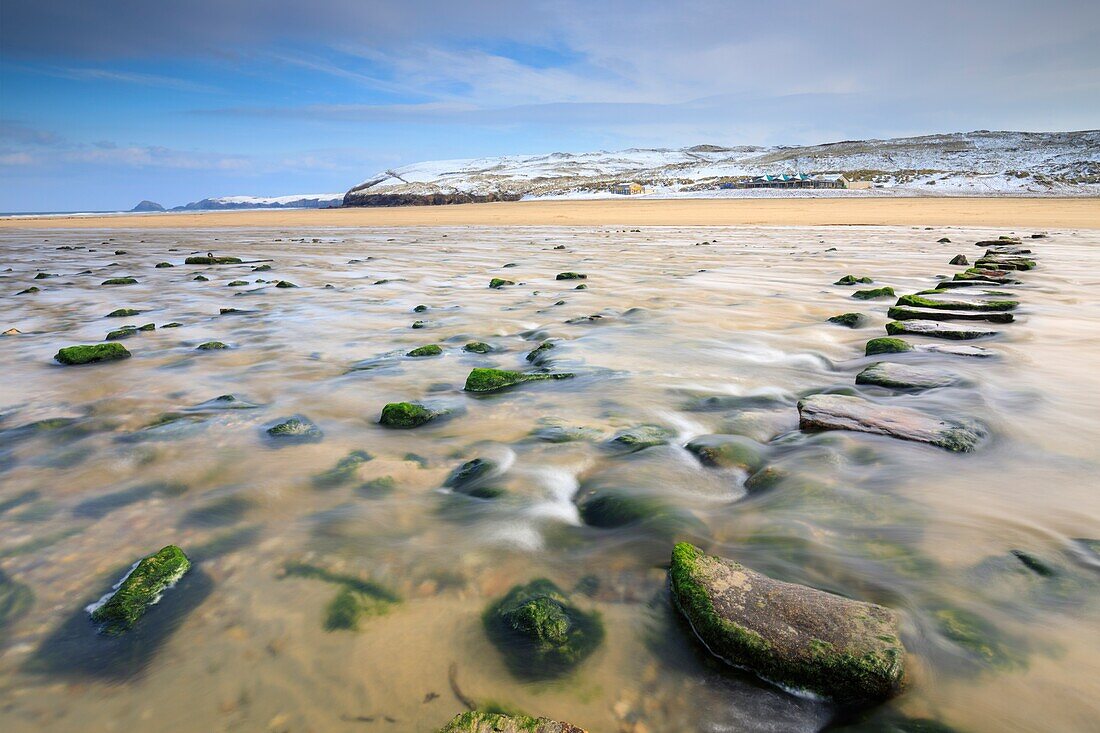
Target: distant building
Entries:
(627, 189)
(798, 180)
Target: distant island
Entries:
(148, 205)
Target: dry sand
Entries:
(1080, 213)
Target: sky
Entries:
(106, 103)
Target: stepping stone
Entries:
(789, 634)
(841, 412)
(936, 330)
(919, 301)
(967, 283)
(902, 313)
(904, 376)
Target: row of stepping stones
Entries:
(954, 310)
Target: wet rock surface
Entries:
(841, 412)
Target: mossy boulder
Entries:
(128, 331)
(498, 282)
(406, 415)
(236, 283)
(429, 350)
(635, 439)
(211, 260)
(786, 633)
(478, 721)
(123, 313)
(141, 588)
(851, 320)
(261, 268)
(120, 281)
(540, 633)
(419, 324)
(611, 509)
(853, 280)
(163, 265)
(285, 284)
(477, 347)
(296, 429)
(887, 345)
(212, 346)
(571, 276)
(201, 278)
(872, 293)
(91, 353)
(491, 380)
(728, 451)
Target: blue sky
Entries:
(107, 103)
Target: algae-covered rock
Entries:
(851, 320)
(201, 278)
(610, 509)
(29, 291)
(853, 280)
(904, 376)
(212, 346)
(429, 350)
(886, 345)
(571, 276)
(406, 415)
(936, 330)
(919, 301)
(873, 293)
(540, 633)
(477, 721)
(261, 268)
(123, 313)
(643, 436)
(236, 283)
(787, 633)
(211, 260)
(959, 260)
(120, 281)
(419, 324)
(163, 265)
(728, 451)
(140, 589)
(477, 347)
(285, 284)
(841, 412)
(490, 380)
(297, 429)
(91, 353)
(905, 313)
(498, 282)
(536, 355)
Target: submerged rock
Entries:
(92, 353)
(297, 428)
(120, 281)
(344, 470)
(610, 509)
(643, 436)
(904, 376)
(851, 320)
(285, 284)
(886, 345)
(874, 293)
(212, 346)
(786, 633)
(476, 721)
(841, 412)
(936, 330)
(957, 350)
(141, 588)
(571, 276)
(536, 355)
(728, 451)
(490, 380)
(903, 313)
(406, 415)
(540, 632)
(471, 478)
(123, 313)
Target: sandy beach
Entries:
(1083, 213)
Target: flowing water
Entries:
(715, 330)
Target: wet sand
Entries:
(980, 212)
(703, 330)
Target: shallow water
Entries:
(241, 644)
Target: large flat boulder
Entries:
(905, 313)
(936, 330)
(904, 376)
(789, 634)
(956, 304)
(842, 412)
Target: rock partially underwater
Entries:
(141, 588)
